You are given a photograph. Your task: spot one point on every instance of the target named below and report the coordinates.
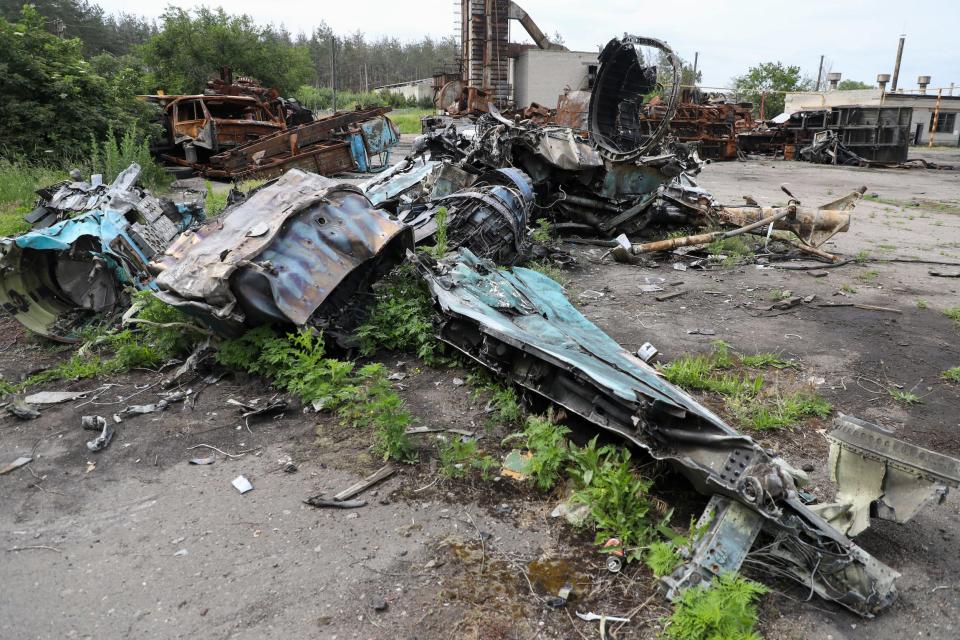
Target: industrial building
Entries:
(924, 103)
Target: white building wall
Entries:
(542, 76)
(811, 100)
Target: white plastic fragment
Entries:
(241, 484)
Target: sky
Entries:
(858, 37)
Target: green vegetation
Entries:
(214, 202)
(903, 397)
(18, 182)
(868, 276)
(724, 611)
(861, 257)
(440, 247)
(504, 402)
(550, 270)
(543, 234)
(547, 444)
(952, 374)
(111, 156)
(191, 45)
(401, 318)
(54, 101)
(458, 457)
(767, 83)
(160, 334)
(848, 288)
(954, 314)
(922, 304)
(662, 558)
(778, 411)
(408, 120)
(616, 495)
(735, 249)
(744, 395)
(297, 363)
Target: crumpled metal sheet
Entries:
(281, 254)
(519, 324)
(52, 277)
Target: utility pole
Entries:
(333, 69)
(896, 66)
(696, 60)
(820, 72)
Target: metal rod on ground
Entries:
(625, 246)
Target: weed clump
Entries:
(547, 444)
(954, 314)
(401, 319)
(952, 374)
(724, 610)
(616, 496)
(458, 457)
(297, 363)
(662, 558)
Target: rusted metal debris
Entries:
(713, 126)
(238, 129)
(295, 252)
(858, 136)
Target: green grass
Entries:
(952, 374)
(458, 457)
(954, 314)
(18, 184)
(550, 270)
(848, 288)
(780, 411)
(868, 276)
(543, 234)
(922, 304)
(408, 120)
(904, 397)
(861, 257)
(735, 249)
(766, 359)
(107, 351)
(547, 444)
(746, 396)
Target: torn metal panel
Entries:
(881, 477)
(295, 252)
(53, 279)
(616, 103)
(518, 323)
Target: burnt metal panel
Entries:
(294, 245)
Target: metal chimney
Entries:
(922, 82)
(833, 79)
(882, 80)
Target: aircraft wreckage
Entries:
(304, 251)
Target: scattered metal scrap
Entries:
(52, 279)
(519, 324)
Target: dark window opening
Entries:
(945, 122)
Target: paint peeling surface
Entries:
(294, 245)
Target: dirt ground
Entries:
(135, 542)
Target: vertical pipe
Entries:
(896, 66)
(933, 124)
(820, 72)
(696, 59)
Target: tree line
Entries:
(70, 73)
